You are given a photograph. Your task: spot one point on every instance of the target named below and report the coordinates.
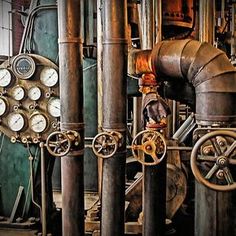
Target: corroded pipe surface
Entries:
(115, 50)
(71, 92)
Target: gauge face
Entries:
(5, 77)
(54, 107)
(18, 93)
(38, 123)
(49, 77)
(3, 106)
(23, 66)
(16, 122)
(34, 93)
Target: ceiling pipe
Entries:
(115, 50)
(201, 65)
(71, 93)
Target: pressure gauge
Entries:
(5, 77)
(16, 122)
(23, 66)
(49, 76)
(18, 93)
(54, 107)
(34, 93)
(3, 106)
(38, 123)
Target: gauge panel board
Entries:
(28, 86)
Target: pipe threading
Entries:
(205, 67)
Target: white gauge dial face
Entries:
(18, 93)
(54, 107)
(49, 77)
(34, 93)
(5, 77)
(3, 106)
(16, 122)
(38, 123)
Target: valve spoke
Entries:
(228, 176)
(155, 158)
(206, 158)
(229, 151)
(212, 171)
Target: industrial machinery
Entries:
(123, 104)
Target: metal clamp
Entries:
(59, 143)
(149, 147)
(211, 158)
(105, 144)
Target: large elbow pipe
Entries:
(208, 69)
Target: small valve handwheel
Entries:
(105, 145)
(58, 144)
(149, 147)
(213, 160)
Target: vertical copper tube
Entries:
(115, 50)
(71, 92)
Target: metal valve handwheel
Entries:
(105, 145)
(212, 159)
(149, 147)
(58, 144)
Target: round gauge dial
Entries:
(16, 122)
(3, 106)
(23, 66)
(18, 93)
(38, 123)
(54, 107)
(5, 77)
(34, 93)
(49, 76)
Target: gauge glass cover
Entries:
(38, 123)
(54, 107)
(16, 122)
(23, 66)
(18, 93)
(34, 93)
(49, 76)
(5, 77)
(3, 106)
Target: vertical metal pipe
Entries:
(99, 83)
(115, 49)
(148, 25)
(43, 191)
(154, 185)
(233, 29)
(207, 21)
(158, 17)
(71, 92)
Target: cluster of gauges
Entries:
(26, 100)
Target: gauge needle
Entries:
(55, 107)
(16, 121)
(3, 77)
(51, 75)
(37, 123)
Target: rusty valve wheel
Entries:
(105, 145)
(58, 144)
(211, 159)
(149, 147)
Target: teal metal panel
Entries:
(90, 120)
(14, 172)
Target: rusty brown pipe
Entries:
(200, 64)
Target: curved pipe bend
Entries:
(205, 67)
